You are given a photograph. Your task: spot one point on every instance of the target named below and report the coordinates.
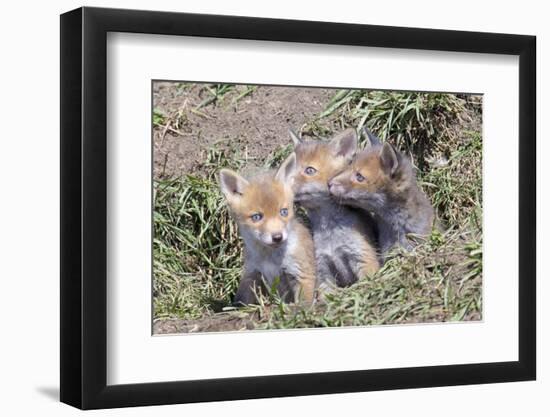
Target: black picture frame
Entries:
(84, 207)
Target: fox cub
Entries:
(276, 245)
(382, 181)
(343, 236)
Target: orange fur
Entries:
(369, 166)
(292, 258)
(327, 159)
(306, 264)
(267, 196)
(322, 158)
(382, 181)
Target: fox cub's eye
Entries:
(284, 212)
(359, 177)
(256, 217)
(310, 171)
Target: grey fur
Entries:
(338, 248)
(294, 136)
(264, 264)
(397, 213)
(341, 235)
(373, 139)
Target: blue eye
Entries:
(256, 217)
(284, 212)
(310, 171)
(359, 177)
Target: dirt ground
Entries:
(231, 322)
(220, 322)
(257, 123)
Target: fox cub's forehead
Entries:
(267, 195)
(312, 151)
(319, 155)
(368, 160)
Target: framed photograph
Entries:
(257, 208)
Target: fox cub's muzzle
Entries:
(271, 235)
(337, 186)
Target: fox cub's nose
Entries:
(334, 187)
(277, 237)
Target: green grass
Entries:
(198, 254)
(158, 117)
(216, 93)
(455, 186)
(196, 261)
(439, 281)
(420, 124)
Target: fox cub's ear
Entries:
(345, 143)
(389, 159)
(373, 139)
(232, 184)
(287, 169)
(295, 138)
